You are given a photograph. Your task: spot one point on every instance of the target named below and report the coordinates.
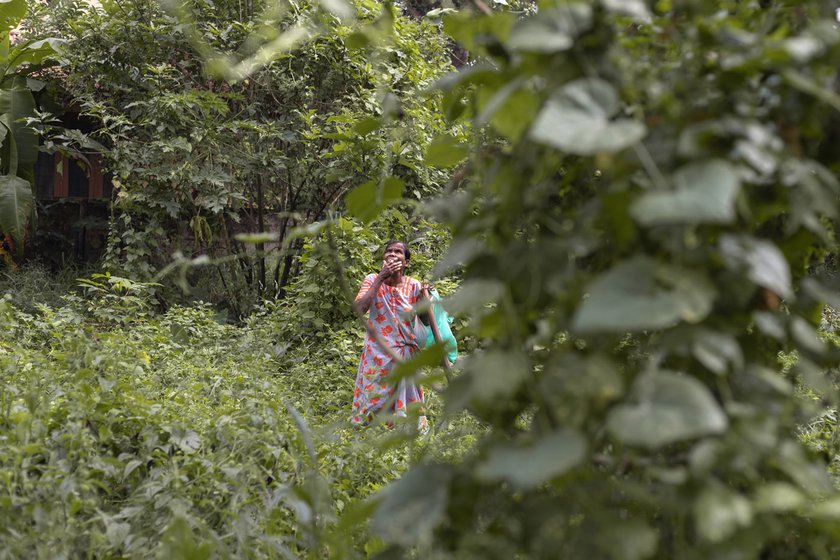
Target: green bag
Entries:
(442, 319)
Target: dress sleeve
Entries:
(414, 294)
(366, 284)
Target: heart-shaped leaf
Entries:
(704, 192)
(552, 30)
(765, 264)
(669, 407)
(640, 294)
(578, 120)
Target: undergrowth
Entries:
(126, 433)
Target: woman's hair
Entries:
(404, 244)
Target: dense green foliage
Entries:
(131, 434)
(198, 160)
(637, 234)
(641, 196)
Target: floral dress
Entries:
(372, 391)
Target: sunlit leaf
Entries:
(438, 12)
(34, 53)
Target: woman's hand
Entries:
(389, 268)
(426, 290)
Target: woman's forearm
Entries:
(362, 304)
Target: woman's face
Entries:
(396, 251)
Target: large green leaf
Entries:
(33, 53)
(369, 199)
(669, 408)
(473, 295)
(445, 151)
(15, 105)
(720, 512)
(764, 263)
(16, 205)
(778, 497)
(412, 506)
(531, 465)
(488, 377)
(704, 192)
(593, 378)
(641, 293)
(11, 12)
(552, 30)
(430, 356)
(717, 350)
(578, 120)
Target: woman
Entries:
(387, 296)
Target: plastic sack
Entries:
(443, 320)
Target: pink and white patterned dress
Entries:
(373, 391)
